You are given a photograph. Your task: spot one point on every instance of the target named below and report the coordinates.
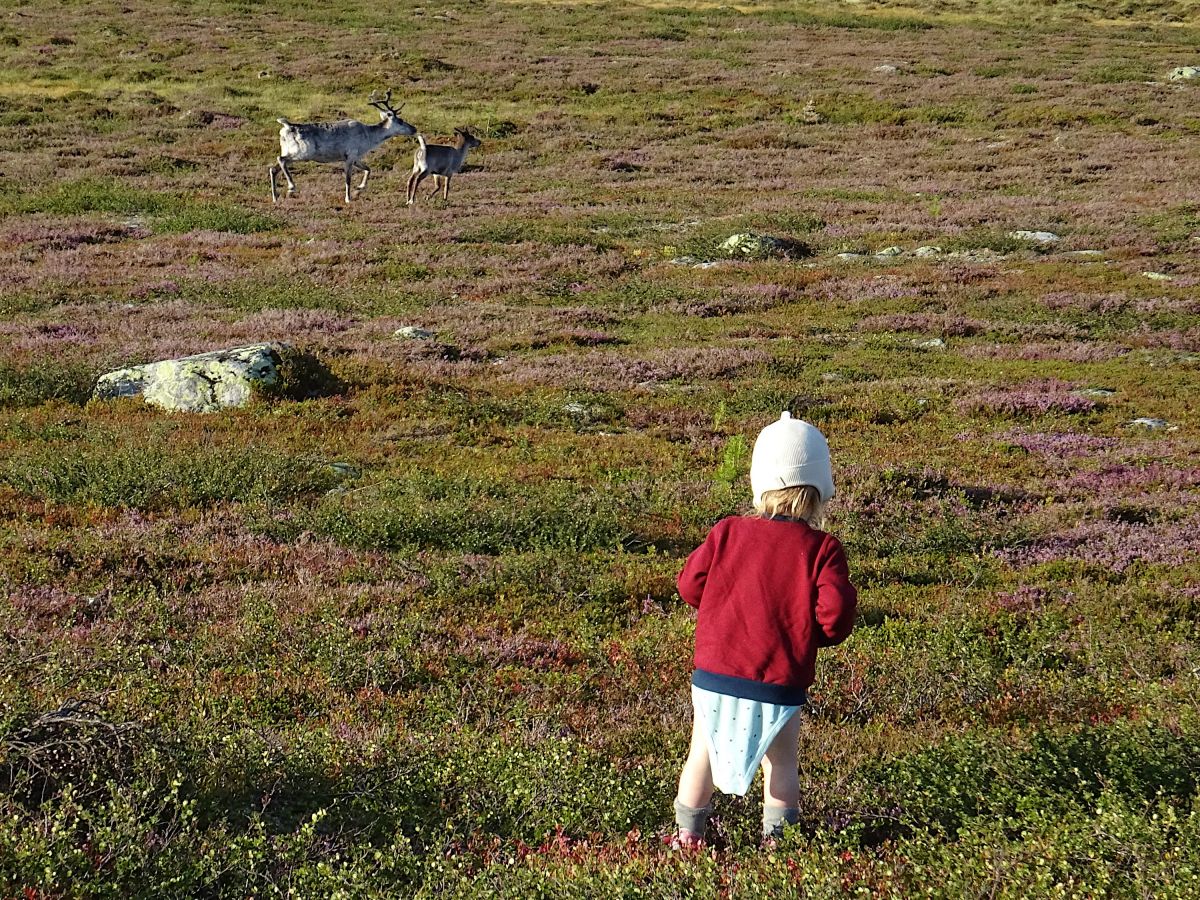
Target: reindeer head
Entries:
(390, 117)
(466, 139)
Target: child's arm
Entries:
(695, 573)
(837, 599)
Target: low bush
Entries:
(44, 381)
(163, 477)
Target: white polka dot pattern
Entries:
(738, 733)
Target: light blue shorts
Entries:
(738, 733)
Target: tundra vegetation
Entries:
(407, 626)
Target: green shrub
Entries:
(89, 195)
(44, 381)
(978, 777)
(469, 515)
(213, 217)
(161, 477)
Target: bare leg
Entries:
(445, 187)
(781, 770)
(366, 174)
(274, 193)
(695, 781)
(349, 172)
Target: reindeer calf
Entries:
(440, 161)
(346, 142)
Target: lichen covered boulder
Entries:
(205, 382)
(1184, 73)
(754, 246)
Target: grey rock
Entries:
(414, 333)
(928, 251)
(930, 344)
(1152, 424)
(849, 256)
(1090, 254)
(983, 254)
(1158, 276)
(886, 69)
(1095, 392)
(1037, 237)
(1184, 73)
(752, 246)
(205, 382)
(890, 251)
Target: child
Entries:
(770, 590)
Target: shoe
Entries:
(684, 840)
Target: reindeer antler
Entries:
(384, 104)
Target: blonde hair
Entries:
(800, 502)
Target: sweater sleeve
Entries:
(695, 572)
(837, 598)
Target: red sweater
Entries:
(769, 593)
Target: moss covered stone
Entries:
(205, 382)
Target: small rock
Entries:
(849, 256)
(1152, 424)
(683, 261)
(928, 251)
(575, 409)
(930, 344)
(1038, 237)
(982, 254)
(413, 333)
(886, 69)
(711, 264)
(1094, 392)
(890, 251)
(754, 246)
(1158, 276)
(345, 470)
(831, 376)
(1184, 73)
(205, 382)
(1092, 254)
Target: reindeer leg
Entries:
(445, 187)
(437, 185)
(274, 193)
(349, 172)
(366, 174)
(288, 175)
(414, 182)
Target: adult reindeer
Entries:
(346, 142)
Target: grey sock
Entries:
(690, 818)
(776, 817)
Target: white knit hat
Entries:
(788, 453)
